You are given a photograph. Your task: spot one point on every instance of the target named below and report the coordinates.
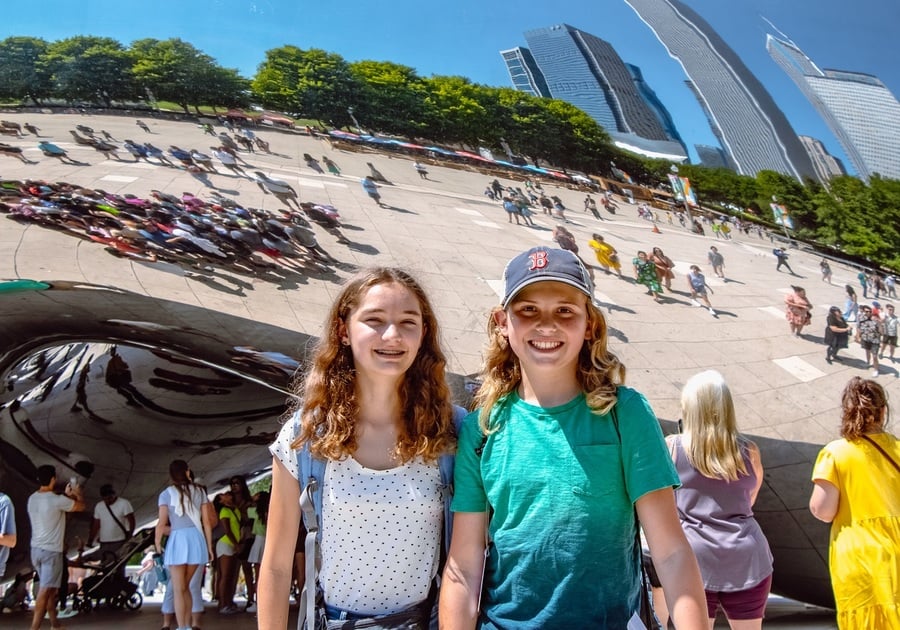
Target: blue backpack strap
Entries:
(446, 464)
(311, 469)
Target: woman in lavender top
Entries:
(721, 473)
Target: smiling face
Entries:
(546, 325)
(385, 330)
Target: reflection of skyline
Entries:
(464, 40)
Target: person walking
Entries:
(798, 310)
(889, 323)
(857, 491)
(837, 333)
(645, 273)
(189, 545)
(698, 287)
(47, 514)
(825, 268)
(782, 257)
(868, 336)
(721, 473)
(282, 190)
(716, 261)
(377, 422)
(664, 267)
(851, 305)
(607, 256)
(554, 467)
(371, 188)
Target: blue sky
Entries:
(464, 37)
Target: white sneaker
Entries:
(874, 372)
(694, 302)
(251, 607)
(66, 613)
(711, 311)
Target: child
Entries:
(552, 467)
(697, 284)
(376, 409)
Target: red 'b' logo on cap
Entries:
(538, 260)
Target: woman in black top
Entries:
(837, 333)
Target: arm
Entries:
(825, 500)
(205, 510)
(674, 560)
(461, 585)
(161, 525)
(129, 522)
(273, 589)
(77, 495)
(756, 462)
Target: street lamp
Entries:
(678, 188)
(355, 122)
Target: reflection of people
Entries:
(377, 410)
(606, 254)
(47, 513)
(837, 333)
(699, 288)
(798, 310)
(190, 535)
(782, 257)
(7, 530)
(371, 189)
(553, 467)
(856, 490)
(645, 273)
(721, 473)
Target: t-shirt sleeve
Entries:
(468, 486)
(163, 498)
(825, 468)
(281, 447)
(127, 508)
(645, 458)
(7, 516)
(97, 510)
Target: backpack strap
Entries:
(446, 464)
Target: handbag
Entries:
(162, 573)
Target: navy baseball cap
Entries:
(540, 264)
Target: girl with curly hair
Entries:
(856, 490)
(551, 468)
(375, 406)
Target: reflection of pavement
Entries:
(457, 243)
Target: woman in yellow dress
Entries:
(607, 255)
(856, 490)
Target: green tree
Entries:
(326, 86)
(177, 71)
(391, 97)
(88, 68)
(276, 84)
(22, 75)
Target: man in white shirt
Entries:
(47, 513)
(113, 524)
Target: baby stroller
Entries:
(107, 585)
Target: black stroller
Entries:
(107, 585)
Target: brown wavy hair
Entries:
(599, 371)
(327, 393)
(864, 407)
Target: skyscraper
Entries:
(859, 109)
(753, 131)
(524, 72)
(586, 71)
(826, 165)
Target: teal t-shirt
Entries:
(561, 487)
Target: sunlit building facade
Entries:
(826, 165)
(859, 109)
(587, 72)
(753, 131)
(524, 72)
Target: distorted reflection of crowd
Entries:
(181, 229)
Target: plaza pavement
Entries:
(457, 242)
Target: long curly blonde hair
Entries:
(328, 402)
(599, 371)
